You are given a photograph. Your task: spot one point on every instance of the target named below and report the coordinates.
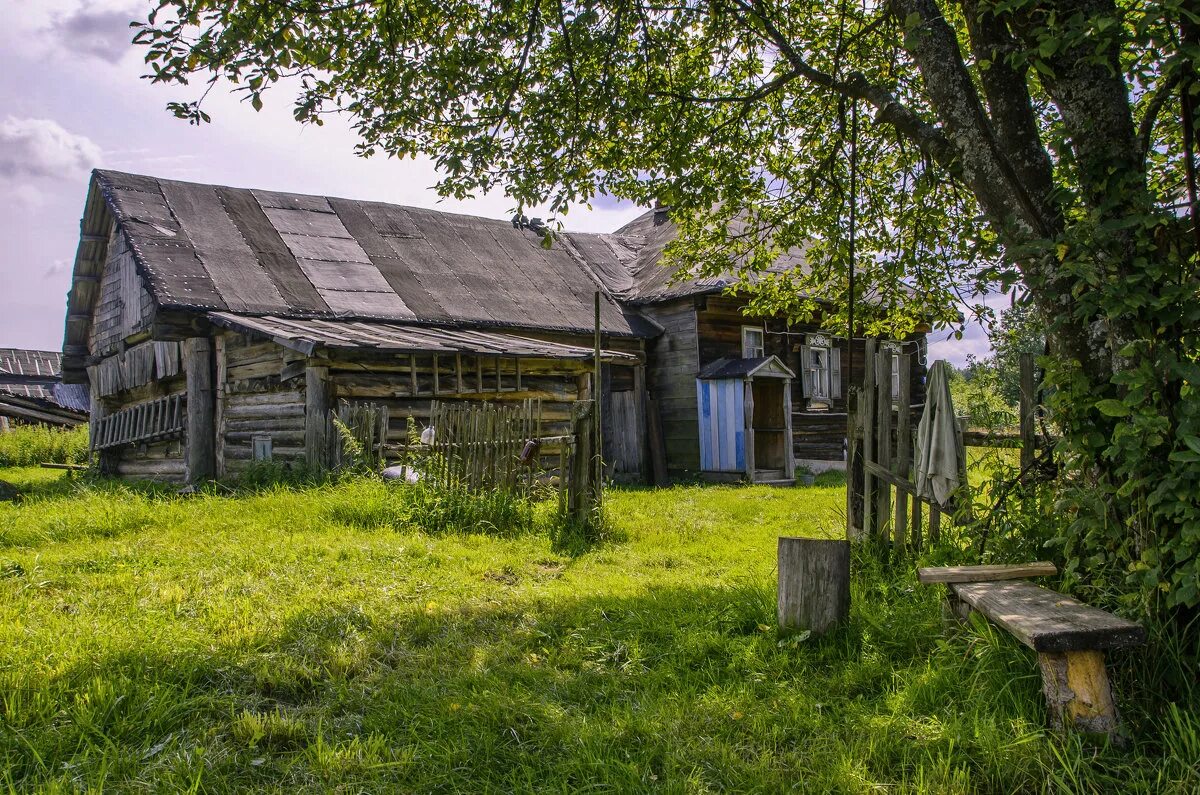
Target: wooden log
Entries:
(201, 430)
(954, 574)
(318, 431)
(814, 584)
(1078, 692)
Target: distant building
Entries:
(32, 391)
(217, 325)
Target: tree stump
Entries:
(814, 584)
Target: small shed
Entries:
(746, 420)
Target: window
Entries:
(752, 343)
(820, 365)
(816, 371)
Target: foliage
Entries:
(275, 640)
(29, 445)
(977, 396)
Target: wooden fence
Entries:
(488, 446)
(366, 424)
(882, 501)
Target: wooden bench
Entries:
(1070, 638)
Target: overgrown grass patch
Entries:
(30, 445)
(314, 638)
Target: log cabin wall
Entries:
(259, 393)
(157, 460)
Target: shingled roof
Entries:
(257, 252)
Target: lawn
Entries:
(314, 639)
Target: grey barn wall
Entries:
(673, 362)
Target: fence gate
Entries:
(489, 446)
(881, 456)
(882, 501)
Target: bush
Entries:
(30, 445)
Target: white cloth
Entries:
(940, 460)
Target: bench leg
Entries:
(1078, 692)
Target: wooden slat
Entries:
(959, 574)
(1047, 621)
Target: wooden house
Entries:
(215, 326)
(32, 391)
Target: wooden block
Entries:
(1078, 693)
(1047, 621)
(814, 584)
(1018, 571)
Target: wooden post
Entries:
(1078, 692)
(201, 431)
(748, 405)
(599, 397)
(1028, 402)
(868, 451)
(853, 530)
(903, 448)
(814, 584)
(318, 399)
(582, 470)
(883, 435)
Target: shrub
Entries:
(30, 445)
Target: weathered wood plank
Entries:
(957, 574)
(1047, 621)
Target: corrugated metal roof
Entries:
(306, 335)
(259, 252)
(36, 375)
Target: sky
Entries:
(71, 99)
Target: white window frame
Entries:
(749, 349)
(818, 368)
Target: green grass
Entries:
(311, 639)
(30, 445)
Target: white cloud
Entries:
(41, 148)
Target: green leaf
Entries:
(1112, 408)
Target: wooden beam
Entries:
(1015, 571)
(201, 431)
(883, 431)
(868, 451)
